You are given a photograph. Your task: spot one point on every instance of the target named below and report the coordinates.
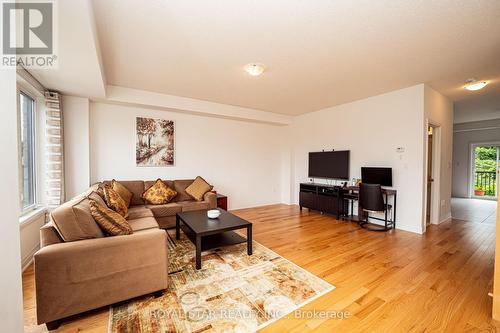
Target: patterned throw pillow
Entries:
(198, 188)
(110, 221)
(115, 201)
(122, 191)
(159, 193)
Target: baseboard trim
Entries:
(446, 219)
(399, 226)
(257, 206)
(409, 228)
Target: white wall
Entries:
(467, 116)
(260, 163)
(439, 112)
(242, 159)
(464, 135)
(11, 307)
(371, 129)
(76, 144)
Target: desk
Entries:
(386, 193)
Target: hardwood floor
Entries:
(385, 282)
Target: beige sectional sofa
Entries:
(78, 269)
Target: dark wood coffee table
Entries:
(209, 234)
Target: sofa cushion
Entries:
(74, 221)
(124, 193)
(188, 206)
(98, 188)
(97, 197)
(165, 210)
(149, 183)
(49, 235)
(134, 186)
(110, 221)
(136, 212)
(159, 193)
(143, 223)
(180, 187)
(198, 188)
(115, 201)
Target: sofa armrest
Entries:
(74, 277)
(211, 198)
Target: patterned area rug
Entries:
(233, 292)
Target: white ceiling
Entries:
(318, 53)
(79, 68)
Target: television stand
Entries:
(323, 198)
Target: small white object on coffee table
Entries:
(213, 213)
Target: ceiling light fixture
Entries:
(473, 84)
(254, 69)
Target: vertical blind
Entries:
(54, 183)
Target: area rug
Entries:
(233, 292)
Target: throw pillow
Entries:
(100, 190)
(159, 193)
(122, 191)
(115, 201)
(94, 195)
(198, 188)
(110, 221)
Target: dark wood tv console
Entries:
(323, 198)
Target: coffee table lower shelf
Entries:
(207, 234)
(215, 241)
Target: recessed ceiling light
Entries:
(473, 84)
(254, 69)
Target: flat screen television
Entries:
(329, 164)
(372, 175)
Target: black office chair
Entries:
(371, 199)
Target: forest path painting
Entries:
(154, 142)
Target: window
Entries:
(27, 148)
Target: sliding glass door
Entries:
(485, 171)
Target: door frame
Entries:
(436, 173)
